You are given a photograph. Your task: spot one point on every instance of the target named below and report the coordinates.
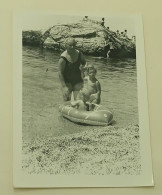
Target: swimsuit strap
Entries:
(64, 59)
(79, 57)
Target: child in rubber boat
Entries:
(90, 93)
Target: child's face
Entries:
(92, 72)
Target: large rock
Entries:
(92, 38)
(31, 37)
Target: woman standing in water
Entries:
(69, 71)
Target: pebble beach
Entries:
(110, 150)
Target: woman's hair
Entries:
(70, 41)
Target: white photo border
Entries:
(23, 180)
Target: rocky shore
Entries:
(104, 151)
(92, 39)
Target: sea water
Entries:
(41, 95)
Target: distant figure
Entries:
(125, 34)
(103, 22)
(119, 42)
(85, 18)
(90, 94)
(122, 35)
(106, 46)
(133, 39)
(110, 49)
(117, 33)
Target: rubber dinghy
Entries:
(99, 116)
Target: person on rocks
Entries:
(125, 34)
(103, 22)
(111, 47)
(117, 33)
(108, 46)
(121, 35)
(85, 18)
(90, 95)
(133, 39)
(69, 71)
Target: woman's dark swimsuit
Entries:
(72, 73)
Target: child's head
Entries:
(91, 70)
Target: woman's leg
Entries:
(67, 96)
(76, 88)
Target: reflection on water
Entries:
(42, 95)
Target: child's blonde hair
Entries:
(89, 66)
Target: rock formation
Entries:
(92, 38)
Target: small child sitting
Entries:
(90, 94)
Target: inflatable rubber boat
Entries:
(99, 116)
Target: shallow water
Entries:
(42, 95)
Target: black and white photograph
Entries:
(80, 101)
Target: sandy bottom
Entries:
(110, 150)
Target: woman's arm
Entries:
(83, 70)
(83, 60)
(61, 65)
(65, 89)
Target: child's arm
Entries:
(98, 86)
(95, 98)
(83, 69)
